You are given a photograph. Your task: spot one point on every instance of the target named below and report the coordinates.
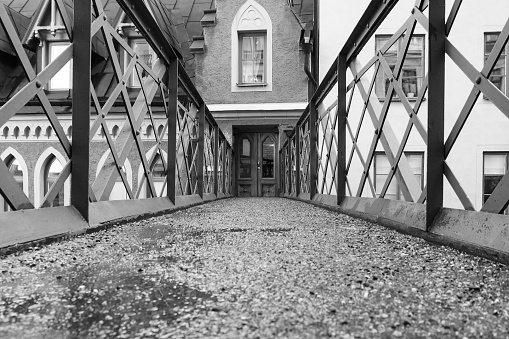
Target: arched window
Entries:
(38, 132)
(26, 133)
(158, 174)
(118, 191)
(251, 49)
(16, 171)
(69, 132)
(51, 173)
(5, 132)
(48, 131)
(149, 131)
(268, 153)
(160, 131)
(114, 131)
(15, 133)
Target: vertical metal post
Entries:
(297, 160)
(201, 148)
(216, 159)
(223, 166)
(289, 164)
(173, 83)
(436, 108)
(341, 128)
(80, 148)
(313, 154)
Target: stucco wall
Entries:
(213, 72)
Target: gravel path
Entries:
(251, 268)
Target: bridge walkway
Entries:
(251, 268)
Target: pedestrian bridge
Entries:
(327, 160)
(320, 259)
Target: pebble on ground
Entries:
(251, 268)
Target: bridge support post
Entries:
(289, 155)
(436, 108)
(173, 83)
(201, 148)
(297, 160)
(223, 165)
(216, 159)
(80, 149)
(341, 128)
(313, 154)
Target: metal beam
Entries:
(313, 152)
(80, 149)
(436, 109)
(201, 149)
(341, 128)
(172, 129)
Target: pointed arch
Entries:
(41, 166)
(26, 132)
(118, 191)
(157, 183)
(251, 18)
(11, 153)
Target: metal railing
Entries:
(196, 156)
(330, 154)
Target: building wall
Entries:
(486, 127)
(214, 67)
(32, 151)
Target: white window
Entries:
(495, 165)
(251, 49)
(62, 80)
(383, 167)
(499, 74)
(147, 55)
(412, 72)
(252, 56)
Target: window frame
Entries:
(241, 35)
(47, 60)
(484, 153)
(505, 51)
(395, 97)
(398, 189)
(127, 59)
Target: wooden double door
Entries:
(256, 164)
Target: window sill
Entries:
(412, 99)
(262, 84)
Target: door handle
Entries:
(258, 165)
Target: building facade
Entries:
(244, 56)
(476, 140)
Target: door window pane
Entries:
(245, 159)
(268, 159)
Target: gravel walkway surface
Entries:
(251, 268)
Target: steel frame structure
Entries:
(324, 161)
(197, 164)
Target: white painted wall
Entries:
(486, 128)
